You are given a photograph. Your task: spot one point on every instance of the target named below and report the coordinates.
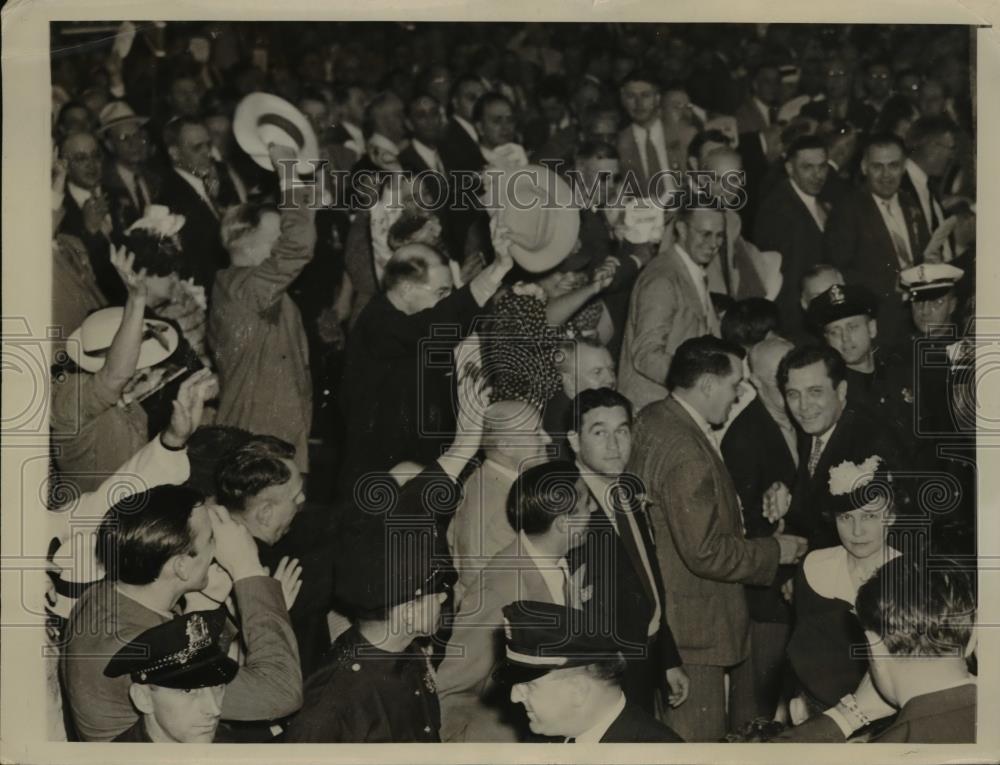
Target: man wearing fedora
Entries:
(670, 303)
(179, 675)
(573, 693)
(129, 181)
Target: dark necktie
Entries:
(772, 115)
(140, 197)
(626, 531)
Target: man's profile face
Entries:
(641, 101)
(808, 168)
(283, 501)
(497, 125)
(438, 286)
(593, 368)
(465, 98)
(811, 398)
(604, 443)
(703, 235)
(550, 703)
(883, 168)
(187, 716)
(928, 314)
(724, 392)
(851, 337)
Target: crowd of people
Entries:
(689, 458)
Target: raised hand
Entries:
(501, 239)
(235, 549)
(188, 407)
(123, 261)
(604, 274)
(289, 573)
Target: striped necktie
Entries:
(817, 450)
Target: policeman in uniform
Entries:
(376, 684)
(944, 415)
(881, 379)
(179, 676)
(569, 678)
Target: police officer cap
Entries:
(182, 653)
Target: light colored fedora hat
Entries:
(88, 345)
(118, 113)
(262, 119)
(538, 209)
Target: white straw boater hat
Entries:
(262, 119)
(89, 344)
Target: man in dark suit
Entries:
(877, 231)
(932, 142)
(462, 158)
(129, 181)
(422, 159)
(619, 552)
(926, 680)
(192, 188)
(87, 210)
(397, 405)
(813, 380)
(642, 145)
(574, 693)
(704, 556)
(553, 137)
(791, 219)
(761, 108)
(759, 448)
(837, 101)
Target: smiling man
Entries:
(814, 383)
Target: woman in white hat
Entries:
(97, 421)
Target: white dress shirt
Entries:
(554, 571)
(428, 155)
(892, 216)
(594, 733)
(699, 276)
(659, 143)
(467, 127)
(928, 204)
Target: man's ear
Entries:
(179, 565)
(873, 328)
(141, 697)
(842, 391)
(172, 151)
(706, 385)
(574, 441)
(788, 168)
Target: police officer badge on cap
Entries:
(839, 302)
(929, 280)
(181, 653)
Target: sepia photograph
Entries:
(483, 378)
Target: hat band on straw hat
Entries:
(289, 127)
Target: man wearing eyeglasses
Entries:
(837, 101)
(86, 209)
(128, 180)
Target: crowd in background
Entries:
(363, 435)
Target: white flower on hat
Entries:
(159, 220)
(847, 476)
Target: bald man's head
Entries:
(764, 359)
(416, 278)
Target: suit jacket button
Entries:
(356, 667)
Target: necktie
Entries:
(140, 197)
(772, 115)
(820, 214)
(652, 158)
(934, 220)
(817, 450)
(899, 240)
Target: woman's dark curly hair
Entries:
(160, 256)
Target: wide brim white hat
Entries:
(538, 209)
(88, 345)
(264, 118)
